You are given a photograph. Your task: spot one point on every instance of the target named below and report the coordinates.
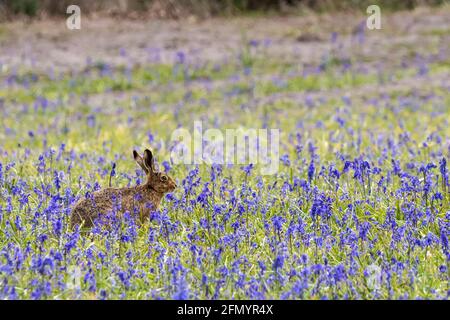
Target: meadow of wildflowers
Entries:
(359, 208)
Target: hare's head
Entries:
(158, 181)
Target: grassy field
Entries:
(359, 208)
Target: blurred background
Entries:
(197, 8)
(149, 66)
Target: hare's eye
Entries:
(163, 178)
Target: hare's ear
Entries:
(140, 161)
(149, 161)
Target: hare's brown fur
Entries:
(138, 201)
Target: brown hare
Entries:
(139, 200)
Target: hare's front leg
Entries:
(145, 211)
